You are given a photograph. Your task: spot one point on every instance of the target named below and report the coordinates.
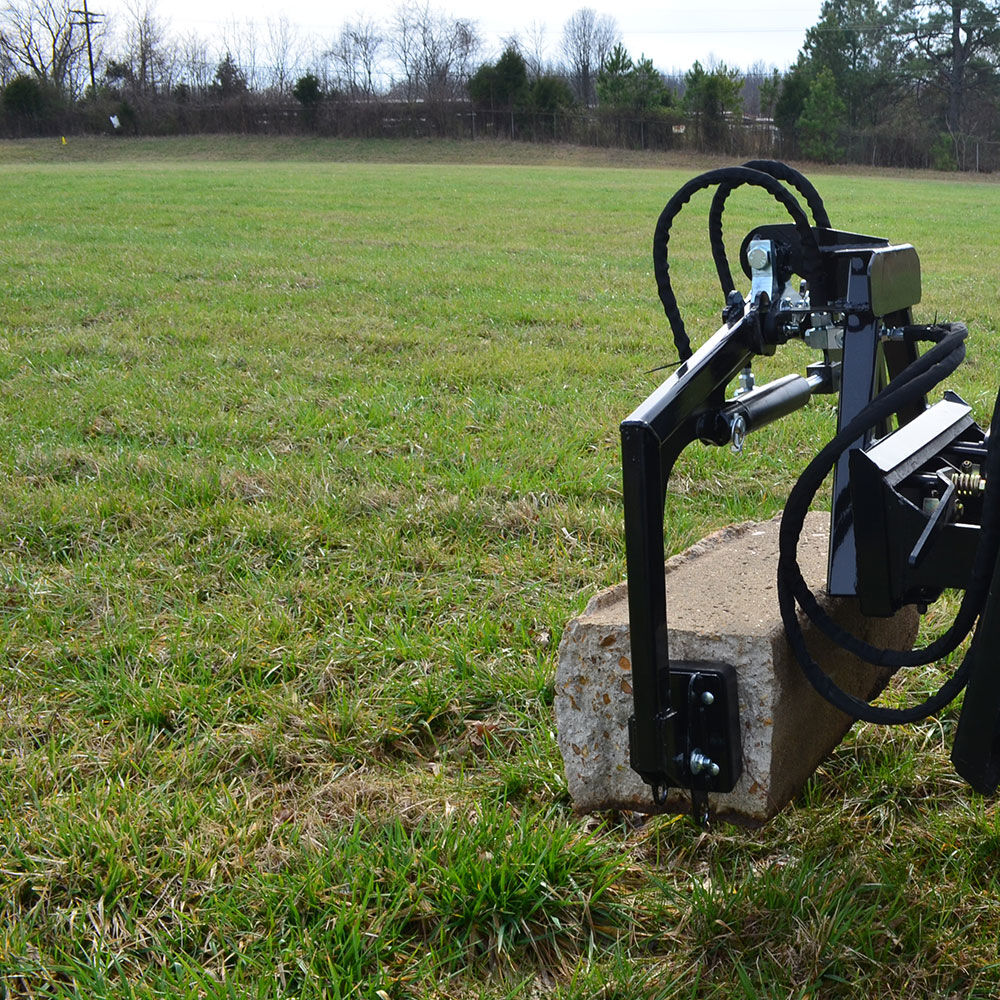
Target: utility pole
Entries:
(88, 20)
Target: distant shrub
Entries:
(26, 97)
(943, 153)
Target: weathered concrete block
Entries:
(721, 605)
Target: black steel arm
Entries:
(688, 406)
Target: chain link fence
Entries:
(661, 130)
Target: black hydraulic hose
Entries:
(914, 382)
(778, 170)
(911, 384)
(783, 172)
(734, 176)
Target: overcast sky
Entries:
(673, 33)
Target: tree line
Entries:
(905, 72)
(899, 82)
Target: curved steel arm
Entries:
(652, 438)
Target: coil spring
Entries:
(969, 484)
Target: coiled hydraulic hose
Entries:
(732, 177)
(913, 383)
(779, 171)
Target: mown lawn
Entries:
(308, 453)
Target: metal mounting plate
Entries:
(707, 724)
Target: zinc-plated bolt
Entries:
(758, 258)
(707, 698)
(698, 762)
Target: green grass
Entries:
(309, 451)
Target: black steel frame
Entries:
(873, 287)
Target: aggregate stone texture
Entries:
(721, 605)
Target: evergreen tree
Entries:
(853, 40)
(614, 87)
(637, 86)
(550, 93)
(501, 85)
(823, 117)
(710, 97)
(951, 48)
(791, 100)
(648, 87)
(307, 90)
(229, 80)
(309, 93)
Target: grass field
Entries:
(308, 453)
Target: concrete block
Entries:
(721, 605)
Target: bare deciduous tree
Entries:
(433, 51)
(241, 46)
(45, 39)
(148, 53)
(404, 46)
(282, 53)
(197, 65)
(533, 50)
(317, 60)
(7, 70)
(355, 58)
(759, 88)
(587, 39)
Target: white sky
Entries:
(673, 33)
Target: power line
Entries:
(765, 30)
